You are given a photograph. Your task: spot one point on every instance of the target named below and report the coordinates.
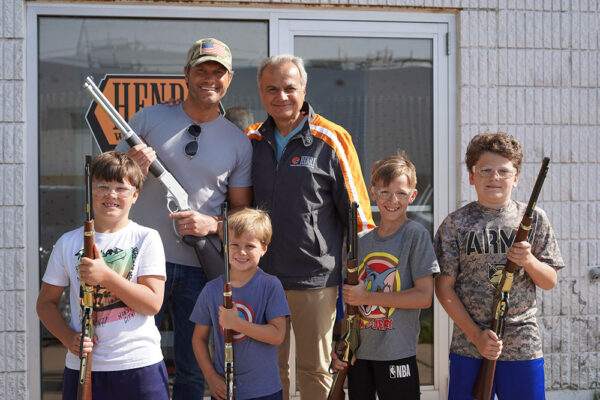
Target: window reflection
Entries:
(380, 90)
(71, 48)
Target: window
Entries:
(379, 80)
(100, 46)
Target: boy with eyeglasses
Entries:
(396, 269)
(128, 273)
(472, 245)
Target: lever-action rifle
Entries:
(227, 303)
(84, 388)
(176, 195)
(482, 390)
(349, 342)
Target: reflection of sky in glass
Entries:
(380, 51)
(85, 41)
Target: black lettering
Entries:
(507, 238)
(157, 96)
(473, 245)
(176, 91)
(125, 104)
(486, 241)
(139, 104)
(493, 241)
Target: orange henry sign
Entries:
(128, 94)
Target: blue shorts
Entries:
(147, 383)
(512, 380)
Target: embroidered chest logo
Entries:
(303, 161)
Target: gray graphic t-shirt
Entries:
(471, 245)
(392, 264)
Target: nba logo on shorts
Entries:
(399, 371)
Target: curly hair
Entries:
(500, 143)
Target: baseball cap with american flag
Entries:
(209, 50)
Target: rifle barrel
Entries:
(348, 344)
(84, 388)
(227, 303)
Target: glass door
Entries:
(386, 84)
(71, 48)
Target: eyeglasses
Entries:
(121, 189)
(488, 172)
(385, 194)
(191, 148)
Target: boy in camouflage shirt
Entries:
(472, 246)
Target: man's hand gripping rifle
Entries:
(482, 390)
(347, 345)
(84, 388)
(176, 195)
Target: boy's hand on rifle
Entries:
(520, 254)
(229, 318)
(143, 155)
(94, 272)
(488, 344)
(355, 295)
(337, 364)
(88, 344)
(216, 384)
(194, 223)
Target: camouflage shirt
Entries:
(471, 245)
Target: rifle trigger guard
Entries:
(173, 208)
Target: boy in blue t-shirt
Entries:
(258, 315)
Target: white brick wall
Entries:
(13, 354)
(527, 67)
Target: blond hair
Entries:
(251, 220)
(389, 168)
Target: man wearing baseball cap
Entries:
(211, 158)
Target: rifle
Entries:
(176, 195)
(482, 390)
(86, 292)
(349, 342)
(228, 303)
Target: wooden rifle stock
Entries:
(348, 344)
(227, 303)
(84, 387)
(337, 387)
(482, 390)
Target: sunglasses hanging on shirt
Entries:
(191, 148)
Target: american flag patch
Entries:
(213, 48)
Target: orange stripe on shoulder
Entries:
(253, 133)
(340, 142)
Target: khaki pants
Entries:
(312, 315)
